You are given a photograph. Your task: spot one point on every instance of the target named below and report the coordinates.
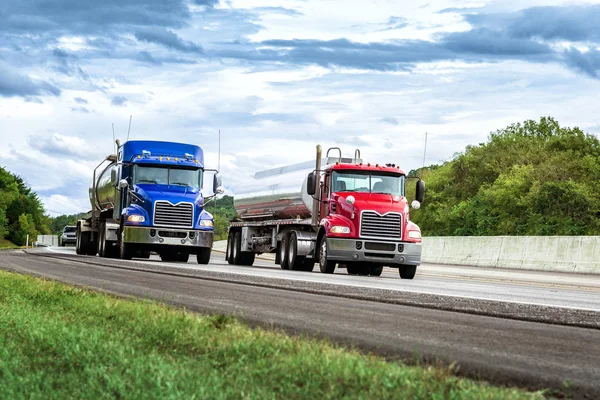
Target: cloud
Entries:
(80, 109)
(168, 39)
(570, 23)
(59, 145)
(587, 63)
(14, 84)
(390, 120)
(118, 101)
(80, 100)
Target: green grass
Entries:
(58, 341)
(5, 244)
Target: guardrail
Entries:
(47, 240)
(576, 254)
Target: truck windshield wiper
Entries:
(180, 184)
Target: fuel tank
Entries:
(103, 193)
(278, 193)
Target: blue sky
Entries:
(278, 77)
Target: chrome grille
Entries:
(167, 214)
(388, 226)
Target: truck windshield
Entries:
(168, 176)
(368, 182)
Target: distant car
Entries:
(68, 235)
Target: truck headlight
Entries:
(207, 223)
(136, 218)
(339, 229)
(414, 234)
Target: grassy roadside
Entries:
(57, 341)
(5, 244)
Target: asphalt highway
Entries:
(501, 350)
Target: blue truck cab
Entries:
(149, 197)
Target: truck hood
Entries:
(173, 194)
(378, 202)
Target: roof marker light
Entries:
(175, 159)
(160, 158)
(139, 157)
(196, 161)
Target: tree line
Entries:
(21, 210)
(530, 178)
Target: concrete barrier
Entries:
(576, 254)
(47, 240)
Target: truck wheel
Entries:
(376, 271)
(308, 265)
(145, 254)
(407, 271)
(183, 257)
(283, 252)
(295, 263)
(325, 265)
(248, 258)
(235, 250)
(124, 248)
(101, 249)
(79, 245)
(203, 255)
(91, 249)
(351, 269)
(229, 251)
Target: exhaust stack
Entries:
(317, 200)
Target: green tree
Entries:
(534, 178)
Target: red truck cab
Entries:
(364, 219)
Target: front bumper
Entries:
(68, 239)
(345, 250)
(168, 237)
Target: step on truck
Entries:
(148, 198)
(344, 213)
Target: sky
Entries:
(279, 77)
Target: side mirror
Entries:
(123, 183)
(217, 184)
(420, 192)
(311, 184)
(220, 190)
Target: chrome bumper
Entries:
(345, 250)
(168, 237)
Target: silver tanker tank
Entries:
(279, 193)
(102, 192)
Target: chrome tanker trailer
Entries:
(333, 211)
(148, 197)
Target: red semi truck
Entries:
(343, 213)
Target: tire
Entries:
(283, 252)
(183, 257)
(79, 245)
(101, 245)
(326, 266)
(91, 247)
(236, 248)
(295, 262)
(407, 271)
(248, 258)
(376, 271)
(145, 254)
(229, 251)
(203, 255)
(308, 265)
(125, 251)
(352, 269)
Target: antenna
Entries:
(129, 130)
(425, 150)
(114, 143)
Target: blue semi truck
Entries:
(148, 198)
